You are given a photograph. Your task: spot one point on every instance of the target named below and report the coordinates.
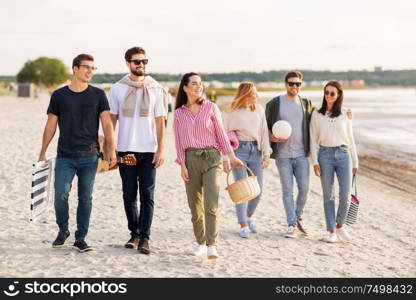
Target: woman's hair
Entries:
(336, 108)
(181, 97)
(244, 90)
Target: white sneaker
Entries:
(302, 226)
(332, 238)
(212, 252)
(245, 232)
(343, 234)
(252, 226)
(290, 233)
(200, 250)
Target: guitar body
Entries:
(104, 165)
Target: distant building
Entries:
(233, 84)
(215, 84)
(268, 85)
(315, 83)
(356, 83)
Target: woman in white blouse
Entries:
(333, 152)
(247, 119)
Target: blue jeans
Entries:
(248, 153)
(335, 160)
(289, 167)
(65, 170)
(140, 177)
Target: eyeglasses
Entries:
(137, 62)
(290, 83)
(92, 68)
(332, 94)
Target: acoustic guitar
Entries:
(104, 165)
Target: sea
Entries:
(384, 121)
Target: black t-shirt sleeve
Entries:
(53, 105)
(103, 103)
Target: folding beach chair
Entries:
(42, 189)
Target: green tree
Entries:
(45, 71)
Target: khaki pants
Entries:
(204, 169)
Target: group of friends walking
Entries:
(139, 105)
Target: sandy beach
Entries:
(384, 243)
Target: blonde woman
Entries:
(247, 119)
(200, 138)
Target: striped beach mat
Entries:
(352, 215)
(42, 188)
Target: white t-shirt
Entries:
(137, 134)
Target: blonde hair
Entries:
(244, 90)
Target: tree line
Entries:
(371, 78)
(52, 71)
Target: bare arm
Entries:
(275, 139)
(110, 148)
(114, 119)
(237, 163)
(48, 134)
(160, 133)
(350, 114)
(184, 172)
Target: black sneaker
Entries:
(82, 246)
(143, 247)
(60, 239)
(133, 243)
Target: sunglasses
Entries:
(137, 62)
(87, 67)
(332, 94)
(290, 83)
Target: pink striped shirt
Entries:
(200, 131)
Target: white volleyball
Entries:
(282, 129)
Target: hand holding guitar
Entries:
(108, 159)
(111, 157)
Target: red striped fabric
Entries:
(200, 131)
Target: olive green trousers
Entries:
(204, 170)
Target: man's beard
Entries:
(290, 93)
(137, 73)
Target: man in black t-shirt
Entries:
(77, 110)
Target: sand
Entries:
(384, 241)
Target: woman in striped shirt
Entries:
(200, 139)
(246, 117)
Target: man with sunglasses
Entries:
(139, 104)
(291, 154)
(77, 109)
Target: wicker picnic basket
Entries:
(245, 189)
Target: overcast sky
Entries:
(214, 35)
